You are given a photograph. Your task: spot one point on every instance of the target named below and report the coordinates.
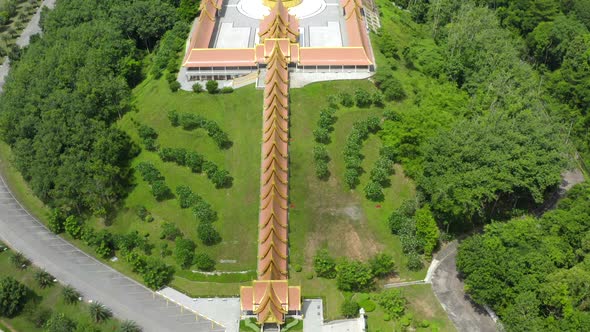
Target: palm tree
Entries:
(43, 278)
(129, 326)
(99, 312)
(19, 260)
(70, 295)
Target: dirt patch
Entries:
(426, 308)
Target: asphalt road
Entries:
(96, 281)
(467, 316)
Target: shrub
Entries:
(324, 265)
(207, 234)
(396, 222)
(19, 260)
(392, 302)
(129, 326)
(59, 323)
(173, 118)
(327, 118)
(99, 312)
(149, 172)
(70, 295)
(320, 153)
(349, 309)
(185, 196)
(204, 262)
(204, 212)
(194, 161)
(212, 87)
(227, 89)
(56, 221)
(378, 99)
(197, 87)
(298, 268)
(426, 230)
(346, 99)
(43, 278)
(321, 135)
(309, 275)
(174, 86)
(39, 316)
(351, 177)
(170, 231)
(146, 132)
(368, 305)
(13, 296)
(222, 179)
(374, 192)
(73, 227)
(386, 317)
(362, 98)
(354, 276)
(382, 265)
(184, 252)
(104, 243)
(321, 170)
(414, 261)
(160, 190)
(333, 101)
(156, 273)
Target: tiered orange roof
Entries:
(274, 191)
(279, 24)
(271, 297)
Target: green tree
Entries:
(324, 265)
(73, 227)
(480, 166)
(212, 87)
(349, 309)
(382, 265)
(157, 274)
(354, 276)
(392, 302)
(426, 229)
(207, 234)
(13, 296)
(170, 231)
(204, 262)
(184, 252)
(56, 221)
(99, 312)
(374, 192)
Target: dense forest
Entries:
(487, 141)
(67, 89)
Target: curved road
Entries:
(96, 281)
(448, 288)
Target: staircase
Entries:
(241, 81)
(372, 15)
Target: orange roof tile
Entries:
(279, 24)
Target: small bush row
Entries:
(203, 212)
(352, 149)
(190, 121)
(325, 125)
(350, 275)
(197, 164)
(361, 98)
(152, 175)
(379, 177)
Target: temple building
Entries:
(226, 43)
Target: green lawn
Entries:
(49, 298)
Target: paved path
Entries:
(96, 281)
(448, 288)
(23, 40)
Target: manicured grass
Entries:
(422, 306)
(239, 115)
(49, 298)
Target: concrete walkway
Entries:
(96, 281)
